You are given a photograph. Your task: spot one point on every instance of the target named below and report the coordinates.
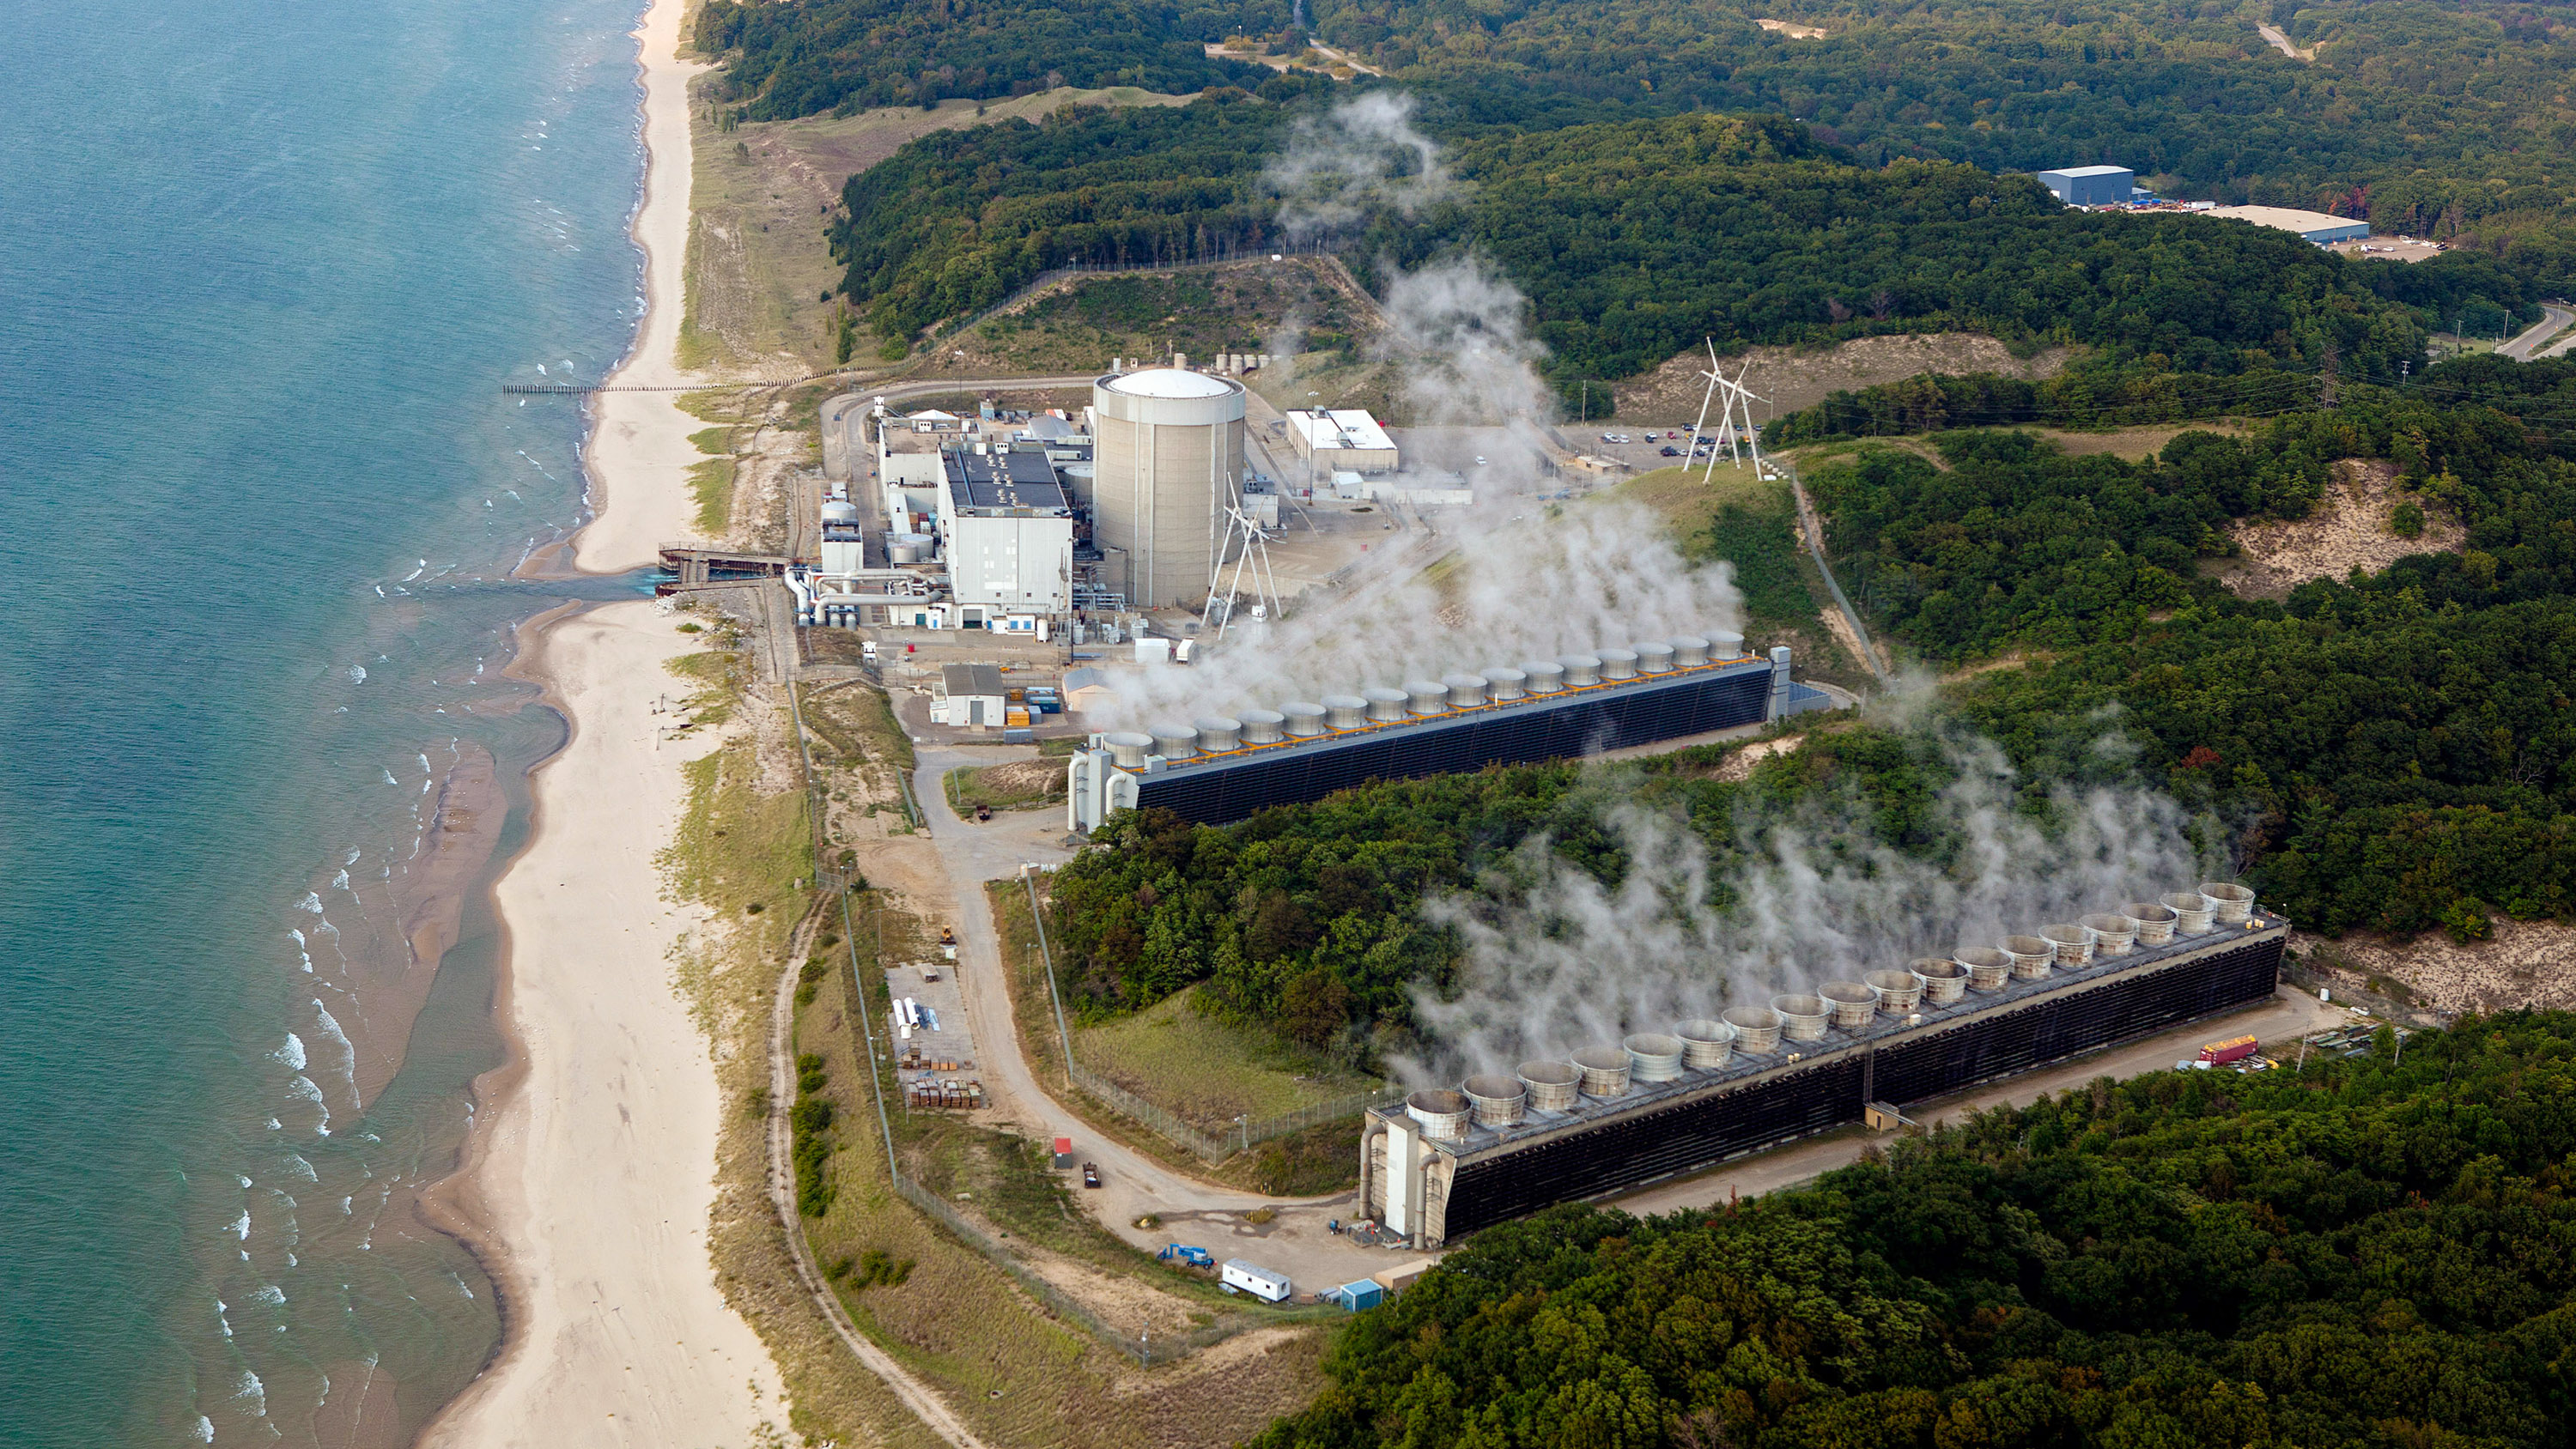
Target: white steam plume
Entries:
(1362, 156)
(1556, 961)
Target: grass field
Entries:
(1015, 785)
(1208, 1071)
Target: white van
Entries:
(1258, 1281)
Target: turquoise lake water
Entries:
(265, 268)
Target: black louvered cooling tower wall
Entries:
(1637, 712)
(1695, 1132)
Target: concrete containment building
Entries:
(1611, 1117)
(1166, 463)
(2090, 185)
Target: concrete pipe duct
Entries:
(1757, 1028)
(1128, 749)
(1495, 1101)
(1442, 1113)
(1552, 1086)
(1898, 992)
(1689, 651)
(1466, 691)
(1802, 1018)
(2191, 912)
(1605, 1071)
(1218, 733)
(1346, 711)
(1988, 968)
(1544, 676)
(1654, 1057)
(2070, 944)
(1617, 663)
(2234, 903)
(1581, 670)
(1386, 705)
(1943, 981)
(1725, 644)
(1503, 685)
(1654, 658)
(2155, 922)
(2031, 956)
(1426, 696)
(1706, 1043)
(2113, 935)
(1304, 719)
(1175, 741)
(1850, 1003)
(1262, 726)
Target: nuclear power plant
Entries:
(1167, 463)
(1222, 768)
(1658, 1104)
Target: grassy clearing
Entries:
(1207, 1071)
(857, 721)
(1013, 785)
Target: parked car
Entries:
(1669, 451)
(1091, 1174)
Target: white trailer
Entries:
(1256, 1280)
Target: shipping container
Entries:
(2234, 1049)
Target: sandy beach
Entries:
(590, 1175)
(637, 464)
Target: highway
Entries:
(2556, 320)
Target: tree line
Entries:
(2367, 1252)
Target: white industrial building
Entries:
(1341, 440)
(969, 694)
(2315, 226)
(1167, 468)
(2090, 185)
(1006, 530)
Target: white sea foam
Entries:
(345, 1209)
(340, 882)
(389, 777)
(312, 902)
(352, 857)
(291, 1052)
(240, 1226)
(269, 1296)
(460, 1286)
(252, 1389)
(357, 674)
(275, 1126)
(222, 1322)
(302, 1168)
(302, 1089)
(204, 1432)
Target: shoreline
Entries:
(585, 1184)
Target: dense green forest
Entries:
(806, 56)
(2394, 751)
(2366, 1252)
(1631, 241)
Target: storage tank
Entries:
(1502, 685)
(1426, 696)
(1175, 741)
(1442, 1113)
(1218, 733)
(840, 510)
(1262, 726)
(1653, 1056)
(2113, 935)
(1580, 670)
(1706, 1043)
(1466, 691)
(1545, 676)
(2069, 943)
(1689, 651)
(1898, 991)
(1617, 663)
(1304, 719)
(1386, 705)
(2155, 922)
(1605, 1071)
(1943, 981)
(2191, 912)
(1850, 1003)
(907, 548)
(1346, 711)
(2031, 956)
(1988, 968)
(1552, 1085)
(1654, 658)
(1128, 748)
(1757, 1028)
(1495, 1101)
(1802, 1017)
(2234, 904)
(1167, 461)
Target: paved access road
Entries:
(2555, 320)
(843, 413)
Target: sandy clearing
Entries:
(2347, 530)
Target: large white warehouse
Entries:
(1166, 465)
